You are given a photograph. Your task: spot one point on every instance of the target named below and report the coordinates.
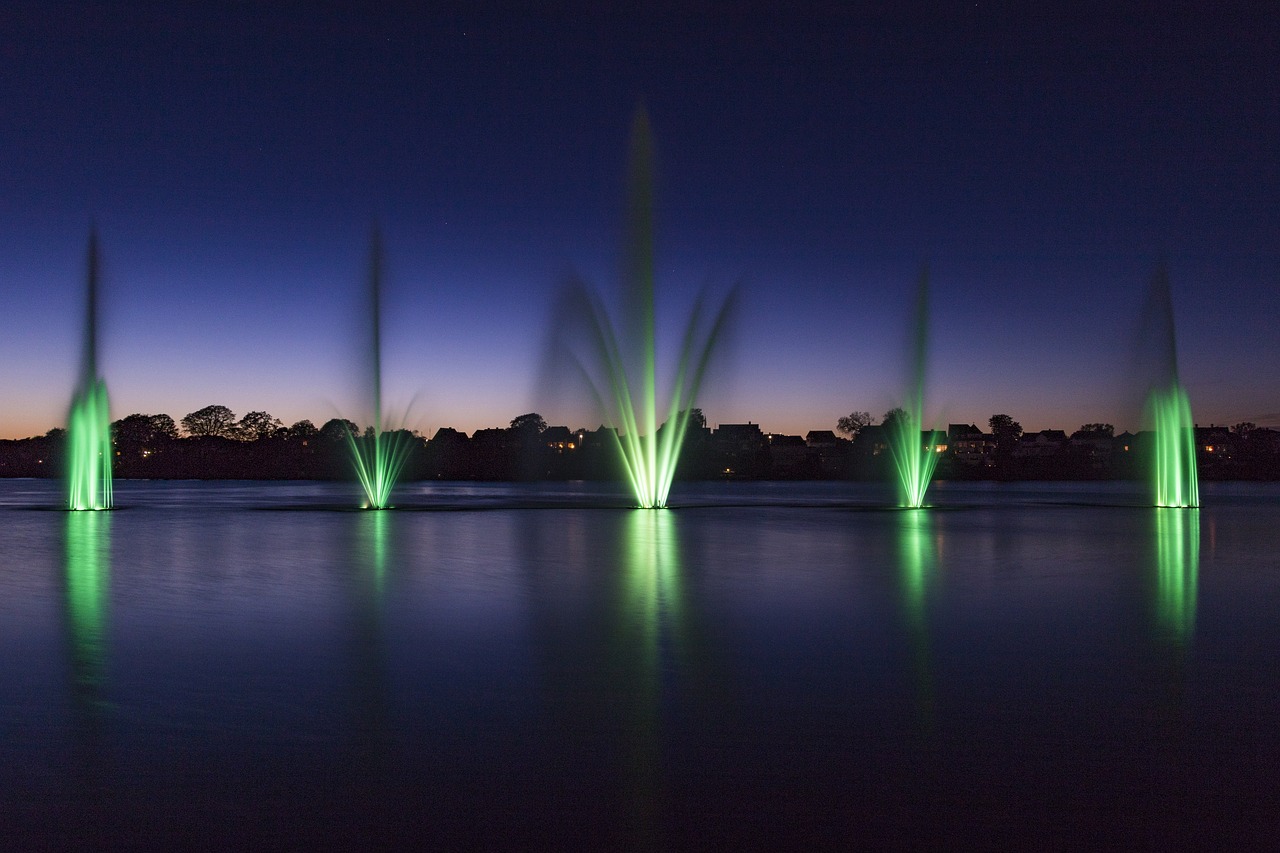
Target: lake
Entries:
(765, 665)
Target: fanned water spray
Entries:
(914, 459)
(378, 456)
(619, 366)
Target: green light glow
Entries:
(1178, 569)
(372, 730)
(914, 547)
(1168, 411)
(87, 571)
(88, 450)
(652, 608)
(914, 458)
(378, 458)
(649, 455)
(652, 577)
(916, 555)
(379, 455)
(1174, 469)
(375, 529)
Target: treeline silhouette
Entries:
(213, 444)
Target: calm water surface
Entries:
(768, 665)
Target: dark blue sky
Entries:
(1041, 161)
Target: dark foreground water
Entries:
(253, 665)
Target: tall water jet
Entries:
(88, 454)
(1168, 410)
(914, 458)
(378, 455)
(619, 362)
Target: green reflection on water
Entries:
(917, 560)
(1177, 570)
(87, 570)
(652, 576)
(370, 695)
(652, 597)
(374, 528)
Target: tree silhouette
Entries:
(1006, 431)
(531, 423)
(890, 420)
(852, 423)
(339, 429)
(139, 430)
(303, 429)
(211, 420)
(257, 425)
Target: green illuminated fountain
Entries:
(619, 364)
(1174, 478)
(914, 459)
(88, 454)
(378, 455)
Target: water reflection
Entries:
(370, 692)
(917, 561)
(649, 639)
(87, 574)
(1177, 571)
(652, 583)
(374, 530)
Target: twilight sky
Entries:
(1041, 161)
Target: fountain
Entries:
(88, 423)
(913, 458)
(1174, 478)
(620, 363)
(378, 456)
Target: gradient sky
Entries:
(1040, 160)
